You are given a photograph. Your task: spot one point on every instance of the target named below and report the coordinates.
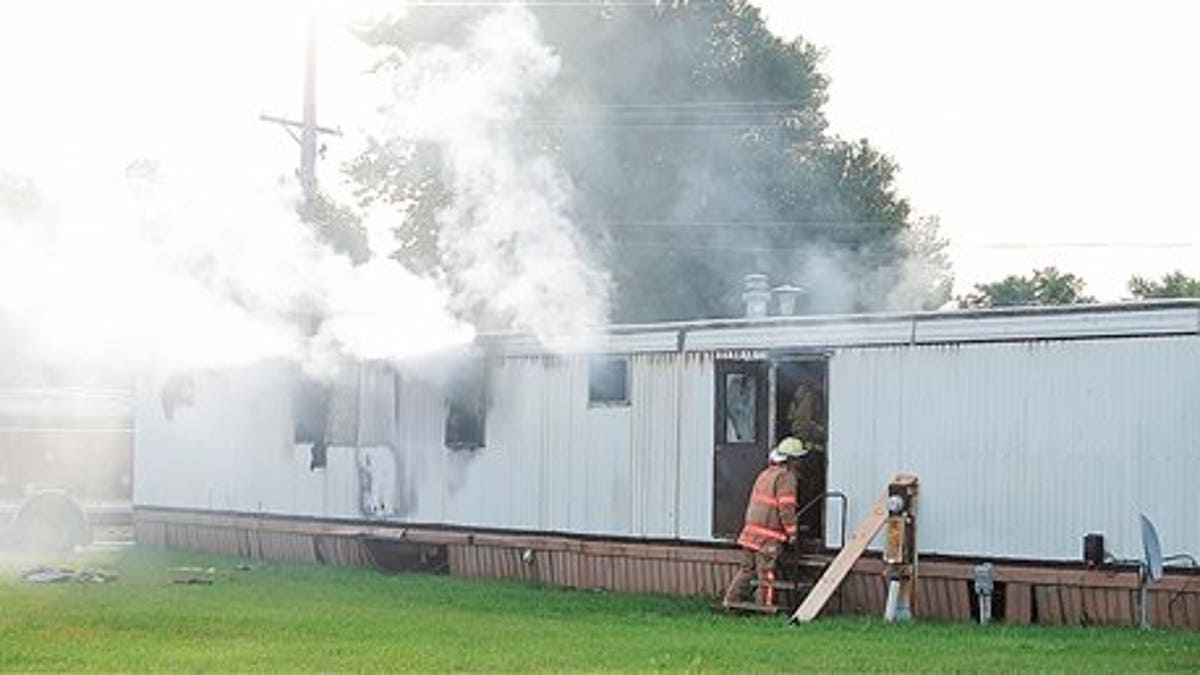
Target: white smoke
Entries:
(914, 278)
(921, 280)
(200, 262)
(195, 259)
(507, 240)
(141, 271)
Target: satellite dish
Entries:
(1152, 550)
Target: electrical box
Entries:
(1093, 549)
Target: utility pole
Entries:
(308, 134)
(308, 125)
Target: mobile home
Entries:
(625, 461)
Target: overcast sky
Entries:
(1041, 133)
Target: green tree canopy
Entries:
(1046, 286)
(699, 153)
(1173, 285)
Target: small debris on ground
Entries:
(47, 575)
(195, 576)
(196, 570)
(56, 575)
(96, 576)
(193, 581)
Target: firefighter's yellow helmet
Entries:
(788, 448)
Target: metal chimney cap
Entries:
(756, 295)
(787, 295)
(756, 282)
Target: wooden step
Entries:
(752, 607)
(809, 561)
(783, 585)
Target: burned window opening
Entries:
(179, 391)
(310, 418)
(466, 407)
(318, 456)
(608, 381)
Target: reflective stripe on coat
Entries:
(771, 513)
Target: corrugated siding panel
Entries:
(1022, 448)
(231, 450)
(552, 461)
(695, 463)
(420, 420)
(655, 392)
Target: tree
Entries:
(1047, 286)
(698, 150)
(338, 227)
(1173, 285)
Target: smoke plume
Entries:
(506, 241)
(143, 271)
(177, 265)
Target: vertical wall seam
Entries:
(679, 367)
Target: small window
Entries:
(608, 381)
(741, 407)
(466, 408)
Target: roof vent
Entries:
(787, 295)
(757, 296)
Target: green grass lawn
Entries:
(296, 617)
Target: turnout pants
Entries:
(755, 564)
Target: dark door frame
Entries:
(733, 461)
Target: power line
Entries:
(667, 224)
(756, 126)
(1080, 244)
(595, 4)
(701, 224)
(674, 105)
(665, 246)
(768, 117)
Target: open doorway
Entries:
(742, 435)
(802, 410)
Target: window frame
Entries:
(609, 359)
(473, 381)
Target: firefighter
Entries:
(806, 415)
(770, 524)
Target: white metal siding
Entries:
(1023, 448)
(551, 462)
(696, 422)
(554, 462)
(232, 450)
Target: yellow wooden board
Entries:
(841, 565)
